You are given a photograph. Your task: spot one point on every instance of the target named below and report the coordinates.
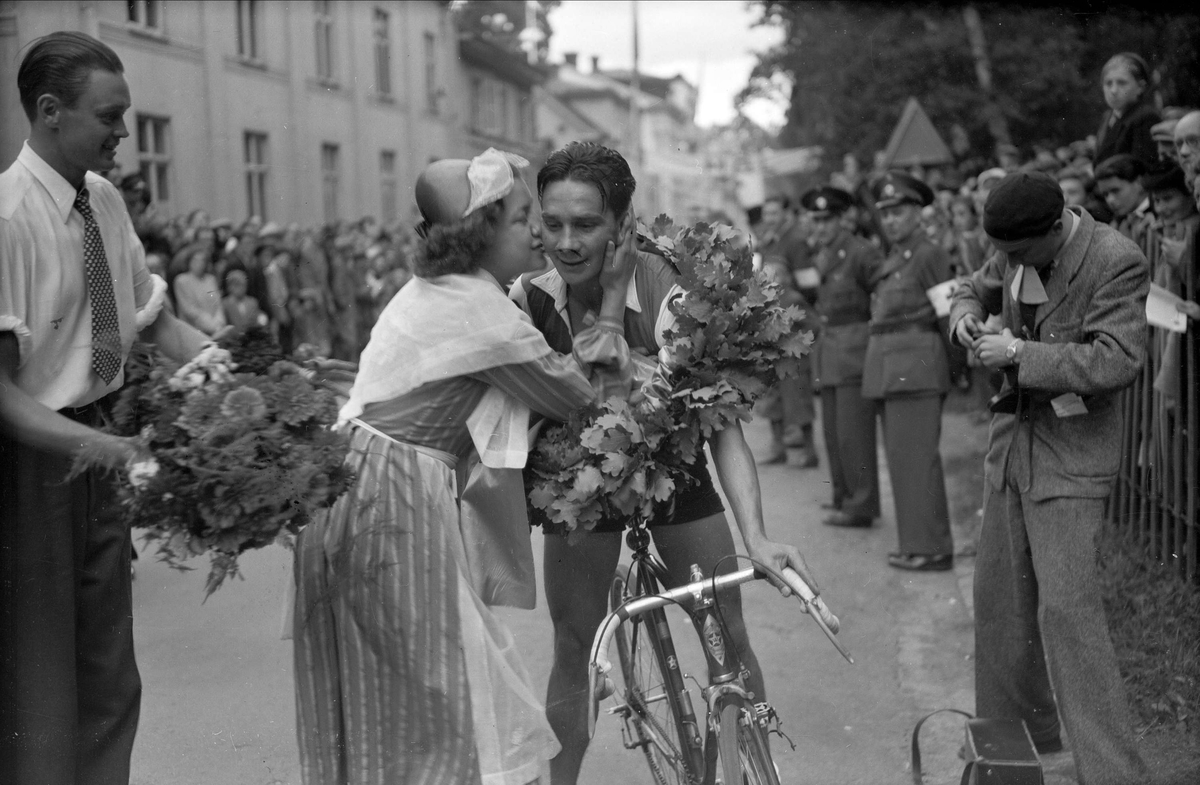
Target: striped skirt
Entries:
(403, 675)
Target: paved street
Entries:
(218, 706)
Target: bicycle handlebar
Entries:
(598, 679)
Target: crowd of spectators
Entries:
(1140, 172)
(318, 290)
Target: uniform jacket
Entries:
(1088, 339)
(786, 254)
(843, 307)
(906, 353)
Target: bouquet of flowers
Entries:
(236, 460)
(731, 342)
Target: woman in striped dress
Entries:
(403, 674)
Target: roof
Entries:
(505, 65)
(584, 129)
(915, 141)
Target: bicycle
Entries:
(657, 708)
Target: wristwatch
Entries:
(1010, 353)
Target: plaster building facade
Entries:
(303, 112)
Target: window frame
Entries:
(324, 49)
(257, 170)
(248, 27)
(155, 153)
(331, 185)
(381, 37)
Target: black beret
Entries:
(1022, 205)
(896, 188)
(826, 200)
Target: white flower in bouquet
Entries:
(141, 472)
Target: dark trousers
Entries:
(790, 401)
(1041, 633)
(69, 687)
(848, 424)
(912, 430)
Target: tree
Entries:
(502, 22)
(852, 66)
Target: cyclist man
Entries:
(585, 191)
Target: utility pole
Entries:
(996, 122)
(635, 89)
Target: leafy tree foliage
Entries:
(852, 65)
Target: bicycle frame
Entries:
(688, 596)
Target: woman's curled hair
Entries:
(446, 249)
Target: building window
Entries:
(525, 113)
(387, 185)
(249, 20)
(154, 155)
(330, 180)
(432, 94)
(145, 13)
(383, 53)
(487, 106)
(257, 166)
(324, 30)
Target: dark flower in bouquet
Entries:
(731, 342)
(235, 460)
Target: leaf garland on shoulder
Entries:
(240, 451)
(731, 342)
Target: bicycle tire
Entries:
(655, 719)
(742, 745)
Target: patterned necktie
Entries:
(106, 337)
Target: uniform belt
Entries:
(906, 327)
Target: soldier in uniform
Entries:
(788, 259)
(908, 372)
(846, 264)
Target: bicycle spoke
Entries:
(651, 714)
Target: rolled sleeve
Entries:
(11, 324)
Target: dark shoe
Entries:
(921, 562)
(830, 506)
(808, 459)
(848, 521)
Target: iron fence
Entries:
(1155, 496)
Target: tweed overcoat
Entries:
(1088, 339)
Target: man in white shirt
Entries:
(74, 290)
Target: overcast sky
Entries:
(709, 42)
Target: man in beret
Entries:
(907, 371)
(1072, 294)
(788, 258)
(846, 264)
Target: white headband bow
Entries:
(491, 177)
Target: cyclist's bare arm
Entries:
(739, 480)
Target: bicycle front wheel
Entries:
(648, 695)
(742, 742)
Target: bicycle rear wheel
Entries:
(745, 756)
(648, 694)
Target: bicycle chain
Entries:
(651, 720)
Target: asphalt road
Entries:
(218, 706)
